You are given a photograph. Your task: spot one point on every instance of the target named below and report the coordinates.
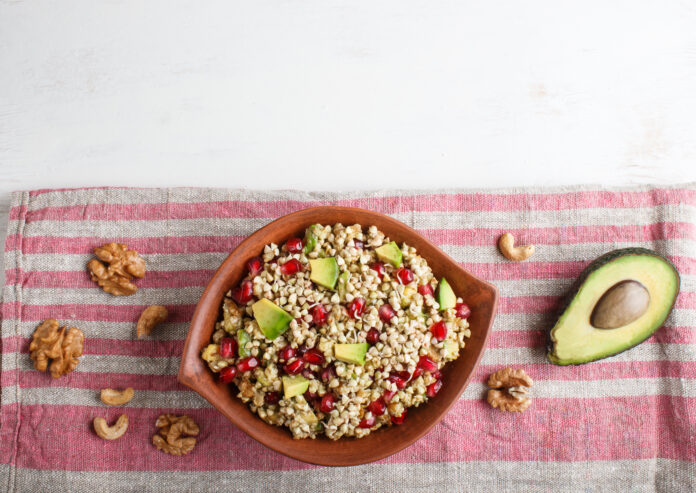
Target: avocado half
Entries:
(575, 340)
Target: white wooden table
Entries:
(322, 94)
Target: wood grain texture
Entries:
(336, 95)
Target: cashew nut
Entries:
(116, 397)
(111, 432)
(507, 247)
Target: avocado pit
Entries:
(620, 305)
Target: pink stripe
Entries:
(513, 271)
(147, 348)
(105, 313)
(389, 204)
(564, 235)
(159, 244)
(222, 446)
(537, 338)
(472, 236)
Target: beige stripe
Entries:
(552, 389)
(419, 220)
(461, 253)
(620, 476)
(163, 195)
(493, 356)
(177, 331)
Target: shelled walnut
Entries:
(169, 438)
(123, 265)
(509, 390)
(61, 345)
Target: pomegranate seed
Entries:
(247, 364)
(319, 315)
(294, 245)
(417, 373)
(377, 407)
(426, 289)
(242, 294)
(292, 266)
(427, 364)
(433, 388)
(328, 373)
(314, 357)
(287, 353)
(462, 310)
(228, 347)
(356, 307)
(358, 244)
(439, 330)
(404, 275)
(227, 374)
(395, 378)
(309, 374)
(404, 375)
(255, 266)
(367, 422)
(272, 397)
(397, 420)
(294, 367)
(379, 268)
(386, 313)
(327, 403)
(388, 395)
(372, 336)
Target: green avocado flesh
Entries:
(390, 253)
(445, 296)
(574, 340)
(324, 271)
(351, 353)
(295, 385)
(272, 319)
(310, 239)
(242, 339)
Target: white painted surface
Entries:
(322, 94)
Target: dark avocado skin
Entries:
(593, 266)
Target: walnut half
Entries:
(169, 438)
(123, 265)
(509, 390)
(61, 345)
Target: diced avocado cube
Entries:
(310, 239)
(342, 282)
(242, 338)
(324, 271)
(390, 253)
(451, 349)
(294, 385)
(272, 319)
(309, 417)
(445, 296)
(351, 353)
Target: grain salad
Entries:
(337, 333)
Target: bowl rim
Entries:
(188, 377)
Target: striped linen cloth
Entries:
(626, 423)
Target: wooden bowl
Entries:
(479, 295)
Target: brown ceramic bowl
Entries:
(479, 295)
